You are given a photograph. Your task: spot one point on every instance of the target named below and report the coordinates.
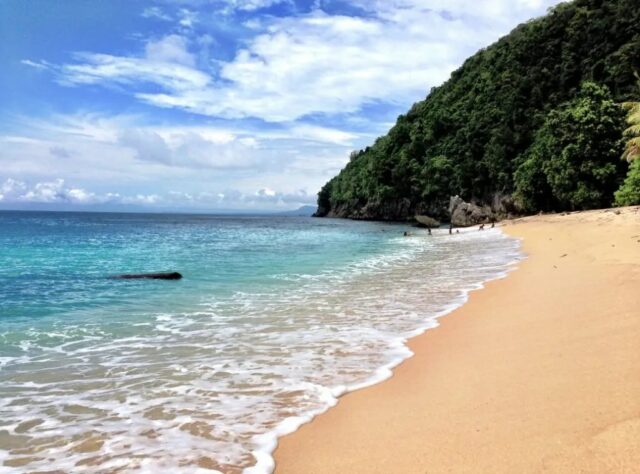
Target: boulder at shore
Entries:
(465, 214)
(426, 221)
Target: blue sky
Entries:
(210, 104)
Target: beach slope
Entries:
(538, 372)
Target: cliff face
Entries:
(457, 211)
(389, 210)
(474, 135)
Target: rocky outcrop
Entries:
(465, 214)
(427, 221)
(457, 210)
(392, 210)
(395, 210)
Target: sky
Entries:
(205, 105)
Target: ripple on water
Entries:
(212, 387)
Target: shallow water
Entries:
(274, 319)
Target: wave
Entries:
(214, 387)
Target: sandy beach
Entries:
(538, 372)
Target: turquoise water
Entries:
(273, 320)
(57, 262)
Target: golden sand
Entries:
(538, 372)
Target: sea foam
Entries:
(212, 387)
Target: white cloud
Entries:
(118, 158)
(42, 65)
(262, 198)
(305, 75)
(316, 63)
(147, 199)
(169, 49)
(45, 192)
(156, 13)
(12, 188)
(57, 192)
(266, 192)
(149, 146)
(188, 19)
(166, 63)
(60, 152)
(250, 5)
(230, 6)
(498, 11)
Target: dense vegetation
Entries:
(629, 192)
(531, 123)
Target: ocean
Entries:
(275, 318)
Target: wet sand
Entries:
(538, 372)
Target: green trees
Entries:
(632, 149)
(573, 163)
(438, 179)
(492, 128)
(629, 192)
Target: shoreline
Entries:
(267, 442)
(488, 390)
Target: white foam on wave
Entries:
(220, 385)
(266, 443)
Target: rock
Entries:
(150, 276)
(503, 205)
(464, 214)
(497, 206)
(454, 202)
(426, 221)
(390, 210)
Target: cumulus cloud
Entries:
(11, 189)
(499, 11)
(42, 65)
(230, 6)
(156, 13)
(235, 199)
(251, 5)
(169, 49)
(166, 62)
(317, 63)
(192, 147)
(149, 146)
(201, 161)
(279, 101)
(72, 137)
(58, 192)
(46, 192)
(59, 152)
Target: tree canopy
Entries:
(629, 193)
(533, 116)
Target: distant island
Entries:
(532, 123)
(304, 211)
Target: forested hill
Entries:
(530, 123)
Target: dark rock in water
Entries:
(427, 221)
(150, 276)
